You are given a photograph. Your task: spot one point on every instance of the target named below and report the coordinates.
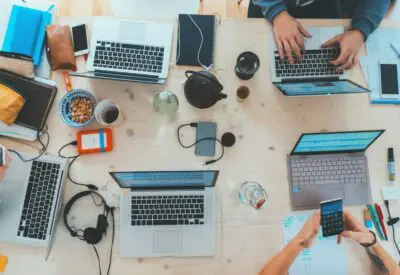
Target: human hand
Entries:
(353, 229)
(3, 169)
(350, 43)
(289, 36)
(310, 230)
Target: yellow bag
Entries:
(11, 103)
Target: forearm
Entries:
(368, 15)
(383, 261)
(270, 8)
(280, 263)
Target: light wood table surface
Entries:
(266, 126)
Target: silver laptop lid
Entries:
(335, 142)
(165, 179)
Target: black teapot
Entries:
(202, 89)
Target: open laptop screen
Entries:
(320, 87)
(336, 142)
(168, 179)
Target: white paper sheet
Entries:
(324, 257)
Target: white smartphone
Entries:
(80, 39)
(389, 79)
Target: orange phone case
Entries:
(106, 148)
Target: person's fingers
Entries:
(280, 49)
(304, 32)
(342, 59)
(355, 62)
(288, 51)
(339, 239)
(332, 42)
(347, 65)
(300, 42)
(296, 50)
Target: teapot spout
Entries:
(222, 96)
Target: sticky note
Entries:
(391, 193)
(3, 263)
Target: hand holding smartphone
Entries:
(332, 217)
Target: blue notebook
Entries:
(26, 31)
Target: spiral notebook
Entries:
(190, 40)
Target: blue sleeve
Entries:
(270, 8)
(368, 15)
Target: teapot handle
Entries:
(209, 78)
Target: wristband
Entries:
(366, 245)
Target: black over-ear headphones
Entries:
(91, 235)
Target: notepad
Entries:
(191, 41)
(324, 257)
(25, 32)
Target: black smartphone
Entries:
(332, 217)
(206, 147)
(2, 156)
(389, 80)
(80, 39)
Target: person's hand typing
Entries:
(350, 42)
(289, 36)
(310, 230)
(353, 229)
(3, 169)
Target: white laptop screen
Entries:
(320, 88)
(336, 142)
(168, 179)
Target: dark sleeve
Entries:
(368, 15)
(270, 8)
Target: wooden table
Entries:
(266, 126)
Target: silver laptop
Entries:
(167, 213)
(324, 166)
(314, 75)
(31, 197)
(128, 50)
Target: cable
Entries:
(45, 131)
(391, 222)
(194, 125)
(74, 158)
(98, 258)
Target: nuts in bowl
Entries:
(77, 108)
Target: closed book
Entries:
(196, 40)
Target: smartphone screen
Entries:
(389, 79)
(332, 217)
(2, 156)
(80, 38)
(206, 147)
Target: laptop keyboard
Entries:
(168, 176)
(341, 170)
(129, 57)
(167, 210)
(315, 64)
(39, 198)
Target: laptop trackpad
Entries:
(311, 196)
(132, 31)
(167, 241)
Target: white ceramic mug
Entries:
(108, 113)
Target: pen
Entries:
(367, 219)
(380, 216)
(375, 220)
(392, 173)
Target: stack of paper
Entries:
(324, 257)
(379, 50)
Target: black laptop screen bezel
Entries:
(293, 153)
(112, 174)
(366, 90)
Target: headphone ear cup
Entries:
(92, 236)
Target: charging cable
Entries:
(391, 222)
(194, 125)
(74, 158)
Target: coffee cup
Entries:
(242, 93)
(108, 113)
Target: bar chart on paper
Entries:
(324, 257)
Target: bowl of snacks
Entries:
(77, 108)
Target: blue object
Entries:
(101, 136)
(26, 31)
(368, 224)
(165, 179)
(65, 107)
(336, 142)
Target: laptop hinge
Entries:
(325, 79)
(154, 189)
(134, 77)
